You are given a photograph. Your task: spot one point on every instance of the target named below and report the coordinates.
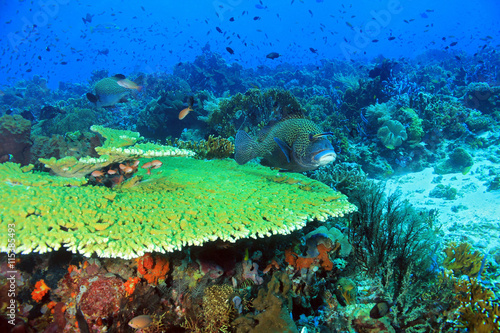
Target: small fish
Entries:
(375, 41)
(87, 18)
(126, 83)
(256, 18)
(218, 29)
(273, 55)
(103, 52)
(294, 144)
(230, 50)
(391, 38)
(186, 111)
(454, 43)
(380, 309)
(140, 322)
(64, 62)
(313, 50)
(82, 322)
(231, 19)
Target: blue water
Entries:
(51, 39)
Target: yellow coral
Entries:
(187, 202)
(218, 309)
(477, 312)
(119, 146)
(462, 260)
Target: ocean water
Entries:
(123, 208)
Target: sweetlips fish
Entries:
(112, 90)
(294, 144)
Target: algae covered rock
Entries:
(458, 161)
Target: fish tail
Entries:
(245, 147)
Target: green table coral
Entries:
(185, 202)
(120, 145)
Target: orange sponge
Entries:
(41, 289)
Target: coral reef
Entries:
(213, 147)
(15, 138)
(272, 307)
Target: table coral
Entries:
(187, 202)
(119, 146)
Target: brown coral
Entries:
(462, 260)
(477, 311)
(213, 148)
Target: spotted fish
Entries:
(294, 144)
(112, 90)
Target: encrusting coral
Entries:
(186, 202)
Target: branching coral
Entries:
(478, 312)
(389, 231)
(462, 259)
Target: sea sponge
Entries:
(392, 134)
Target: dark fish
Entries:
(375, 41)
(391, 38)
(294, 144)
(454, 43)
(218, 29)
(458, 58)
(103, 52)
(82, 322)
(231, 19)
(64, 62)
(258, 6)
(313, 50)
(28, 70)
(273, 55)
(256, 18)
(87, 18)
(230, 50)
(380, 309)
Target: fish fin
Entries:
(119, 76)
(285, 148)
(245, 147)
(92, 98)
(139, 88)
